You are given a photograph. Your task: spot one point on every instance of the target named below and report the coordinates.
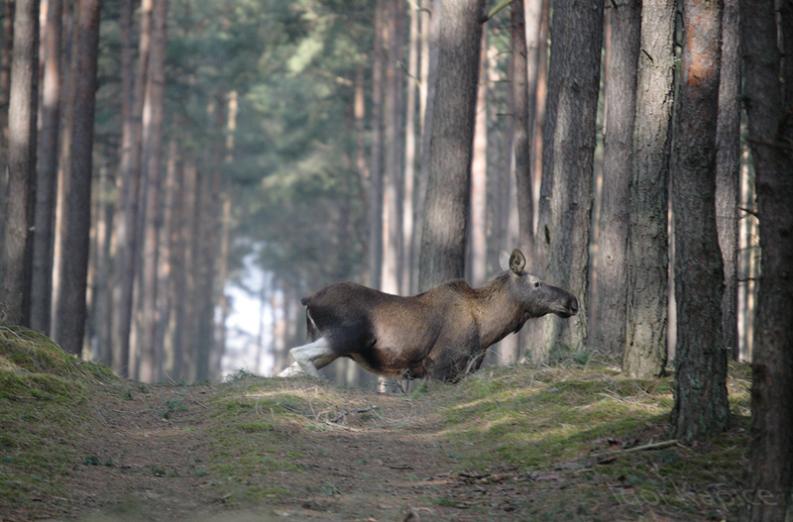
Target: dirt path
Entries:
(377, 457)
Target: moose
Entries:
(442, 333)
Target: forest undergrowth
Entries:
(576, 441)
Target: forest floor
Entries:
(521, 443)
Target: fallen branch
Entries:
(643, 447)
(341, 416)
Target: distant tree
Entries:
(609, 289)
(411, 150)
(768, 77)
(152, 167)
(376, 171)
(133, 83)
(519, 108)
(568, 155)
(728, 163)
(47, 175)
(451, 128)
(701, 406)
(647, 255)
(477, 266)
(70, 307)
(393, 109)
(21, 165)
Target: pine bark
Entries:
(21, 165)
(6, 53)
(609, 290)
(701, 406)
(519, 107)
(47, 170)
(645, 351)
(130, 190)
(767, 101)
(568, 152)
(70, 307)
(451, 128)
(728, 143)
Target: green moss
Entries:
(43, 412)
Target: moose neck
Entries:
(497, 312)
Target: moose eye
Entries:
(536, 284)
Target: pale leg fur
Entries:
(309, 358)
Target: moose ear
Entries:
(517, 261)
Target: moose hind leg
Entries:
(310, 357)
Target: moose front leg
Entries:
(309, 358)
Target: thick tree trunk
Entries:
(728, 143)
(519, 105)
(70, 307)
(47, 171)
(569, 134)
(151, 164)
(701, 406)
(647, 255)
(451, 128)
(478, 228)
(609, 290)
(376, 170)
(6, 53)
(768, 102)
(127, 244)
(21, 166)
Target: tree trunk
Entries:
(129, 179)
(102, 302)
(451, 128)
(609, 291)
(519, 106)
(221, 299)
(392, 173)
(478, 227)
(70, 307)
(408, 245)
(6, 54)
(188, 306)
(701, 406)
(376, 171)
(647, 256)
(47, 175)
(568, 153)
(728, 144)
(151, 164)
(767, 102)
(430, 27)
(21, 166)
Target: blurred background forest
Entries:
(248, 153)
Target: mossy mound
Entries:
(577, 425)
(43, 412)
